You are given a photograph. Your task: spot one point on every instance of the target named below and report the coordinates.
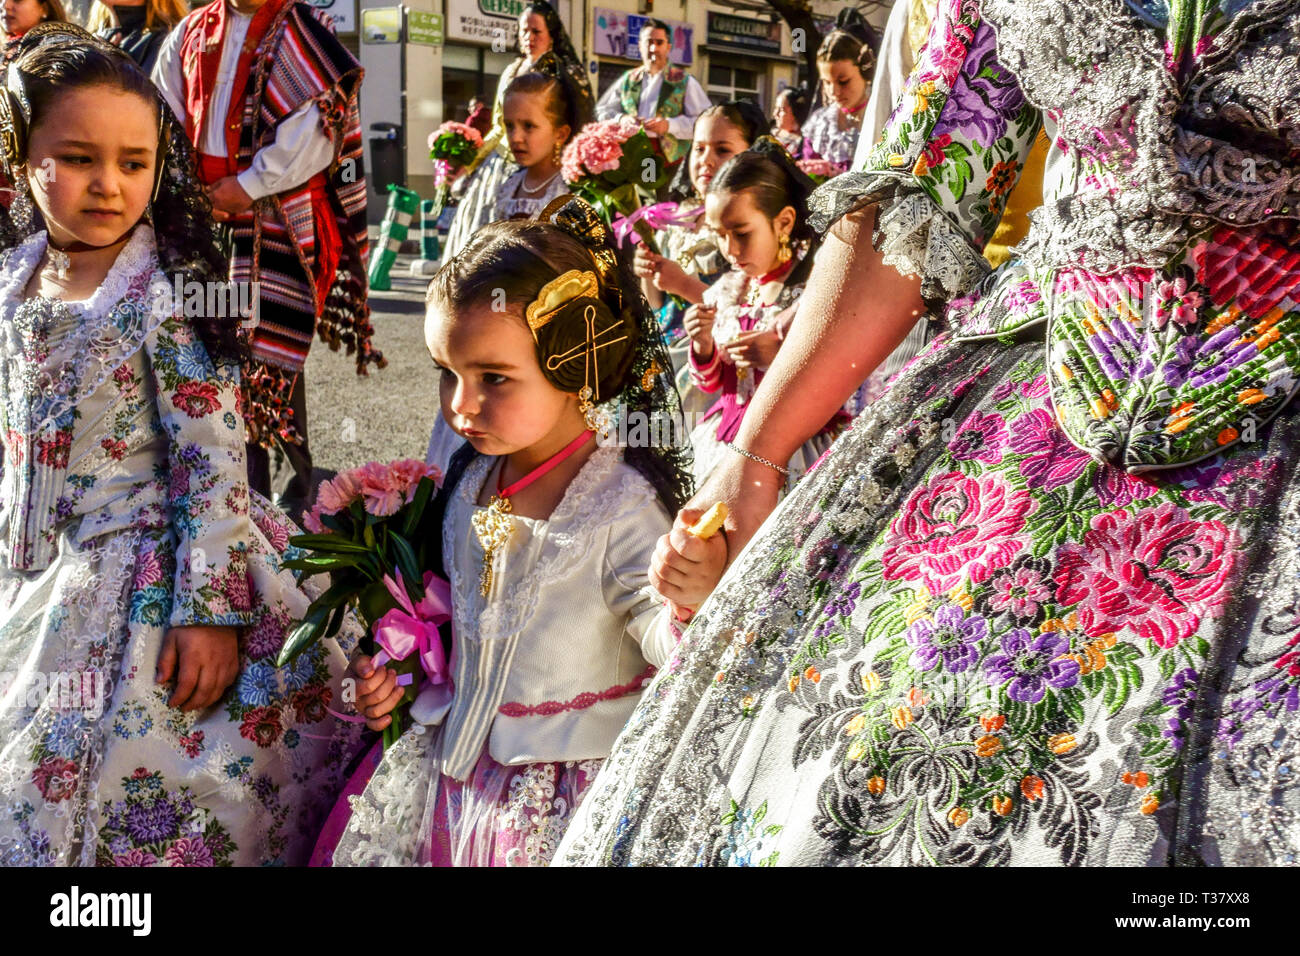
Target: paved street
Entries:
(353, 419)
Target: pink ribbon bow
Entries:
(659, 216)
(413, 628)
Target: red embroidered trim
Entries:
(584, 700)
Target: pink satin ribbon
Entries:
(659, 216)
(413, 628)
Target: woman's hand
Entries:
(378, 693)
(698, 322)
(204, 661)
(754, 349)
(685, 569)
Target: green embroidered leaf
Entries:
(1167, 666)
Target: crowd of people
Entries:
(992, 358)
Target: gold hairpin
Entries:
(586, 350)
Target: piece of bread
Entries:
(710, 522)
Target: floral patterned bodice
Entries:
(116, 417)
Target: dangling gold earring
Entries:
(559, 150)
(589, 414)
(783, 252)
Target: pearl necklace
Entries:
(533, 191)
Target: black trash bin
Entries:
(386, 160)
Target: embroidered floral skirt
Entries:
(961, 640)
(96, 769)
(405, 812)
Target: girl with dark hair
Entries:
(690, 260)
(788, 118)
(19, 16)
(140, 582)
(845, 65)
(757, 206)
(544, 47)
(547, 535)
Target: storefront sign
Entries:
(617, 34)
(744, 33)
(381, 25)
(493, 23)
(424, 28)
(342, 12)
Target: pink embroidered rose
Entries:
(56, 778)
(956, 528)
(1052, 460)
(148, 571)
(1157, 572)
(196, 399)
(188, 851)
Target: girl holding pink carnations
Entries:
(142, 597)
(546, 534)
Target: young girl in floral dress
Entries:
(845, 65)
(141, 598)
(547, 536)
(756, 206)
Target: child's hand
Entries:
(685, 569)
(204, 660)
(698, 322)
(646, 263)
(670, 278)
(377, 692)
(754, 349)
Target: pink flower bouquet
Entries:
(617, 167)
(819, 170)
(452, 147)
(370, 530)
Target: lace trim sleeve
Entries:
(951, 153)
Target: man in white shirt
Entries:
(268, 97)
(665, 98)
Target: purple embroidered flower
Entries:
(1181, 694)
(153, 821)
(1020, 590)
(1032, 664)
(986, 95)
(1241, 483)
(1052, 460)
(980, 437)
(1024, 295)
(1116, 488)
(949, 638)
(823, 559)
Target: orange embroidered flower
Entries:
(992, 723)
(793, 684)
(961, 597)
(813, 674)
(871, 682)
(1002, 177)
(900, 717)
(1061, 743)
(1227, 436)
(1032, 788)
(1139, 779)
(916, 698)
(747, 701)
(957, 816)
(922, 166)
(720, 676)
(1002, 806)
(1222, 320)
(1150, 804)
(876, 786)
(1251, 396)
(854, 726)
(987, 745)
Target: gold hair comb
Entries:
(558, 293)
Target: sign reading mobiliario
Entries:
(486, 21)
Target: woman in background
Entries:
(136, 26)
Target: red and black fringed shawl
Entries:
(305, 247)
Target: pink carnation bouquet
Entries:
(452, 147)
(370, 529)
(617, 167)
(819, 170)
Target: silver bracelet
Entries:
(752, 457)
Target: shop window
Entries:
(730, 81)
